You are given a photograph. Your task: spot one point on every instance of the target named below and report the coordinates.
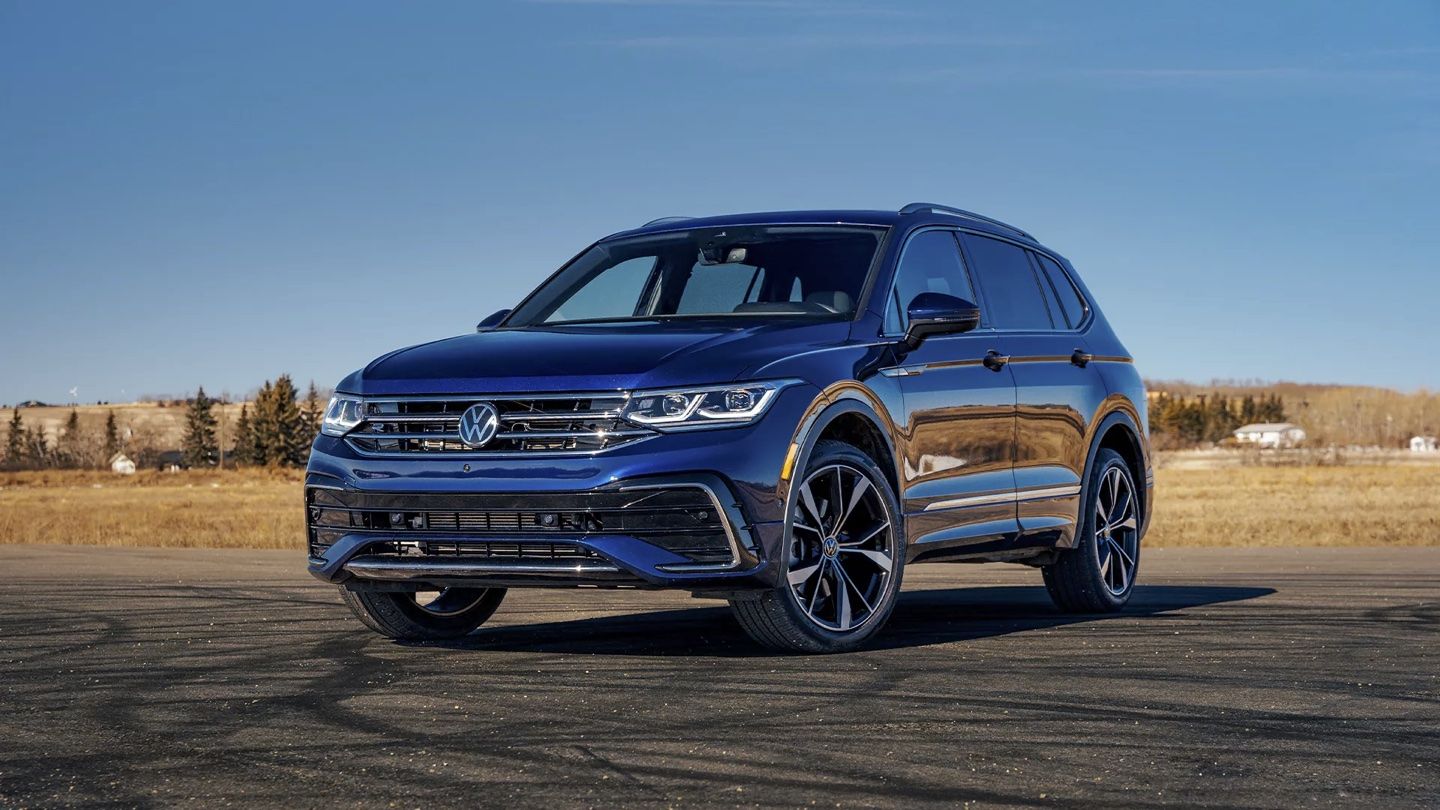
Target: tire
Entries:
(854, 554)
(398, 615)
(1097, 575)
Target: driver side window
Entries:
(930, 262)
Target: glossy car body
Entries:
(985, 436)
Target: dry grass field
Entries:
(1353, 505)
(231, 509)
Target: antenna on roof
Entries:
(921, 208)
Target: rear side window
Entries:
(931, 263)
(1013, 298)
(1070, 301)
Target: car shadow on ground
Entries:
(921, 618)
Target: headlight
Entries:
(711, 406)
(342, 415)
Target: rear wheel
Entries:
(1098, 574)
(424, 615)
(843, 560)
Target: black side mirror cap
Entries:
(933, 313)
(492, 321)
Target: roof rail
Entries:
(663, 220)
(922, 207)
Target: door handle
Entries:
(1081, 358)
(995, 360)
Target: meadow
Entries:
(1357, 504)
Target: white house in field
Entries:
(1425, 444)
(1270, 435)
(120, 464)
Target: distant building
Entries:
(1425, 444)
(120, 464)
(171, 461)
(1270, 435)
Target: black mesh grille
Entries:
(682, 520)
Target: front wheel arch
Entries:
(828, 410)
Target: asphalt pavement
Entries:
(1236, 678)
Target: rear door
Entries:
(1056, 390)
(958, 437)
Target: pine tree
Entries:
(263, 425)
(199, 442)
(244, 452)
(1247, 409)
(68, 448)
(37, 448)
(15, 442)
(295, 436)
(1272, 409)
(310, 415)
(112, 436)
(278, 426)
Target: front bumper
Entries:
(687, 531)
(445, 508)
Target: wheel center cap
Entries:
(830, 546)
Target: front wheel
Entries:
(1098, 574)
(424, 615)
(842, 561)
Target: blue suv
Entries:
(782, 410)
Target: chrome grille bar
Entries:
(544, 423)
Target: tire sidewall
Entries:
(1105, 461)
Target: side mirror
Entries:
(932, 313)
(492, 321)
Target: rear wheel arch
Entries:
(1117, 431)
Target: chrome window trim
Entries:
(1083, 326)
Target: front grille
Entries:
(682, 519)
(571, 423)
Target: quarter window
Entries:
(931, 263)
(1070, 301)
(1013, 299)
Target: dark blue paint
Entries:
(957, 430)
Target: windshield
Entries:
(756, 271)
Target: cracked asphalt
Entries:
(1236, 678)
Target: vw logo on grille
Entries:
(479, 424)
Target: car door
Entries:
(1056, 389)
(958, 434)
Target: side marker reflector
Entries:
(789, 466)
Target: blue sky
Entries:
(205, 193)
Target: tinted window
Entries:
(931, 263)
(1012, 292)
(1052, 305)
(615, 293)
(1070, 301)
(779, 271)
(717, 288)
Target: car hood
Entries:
(590, 358)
